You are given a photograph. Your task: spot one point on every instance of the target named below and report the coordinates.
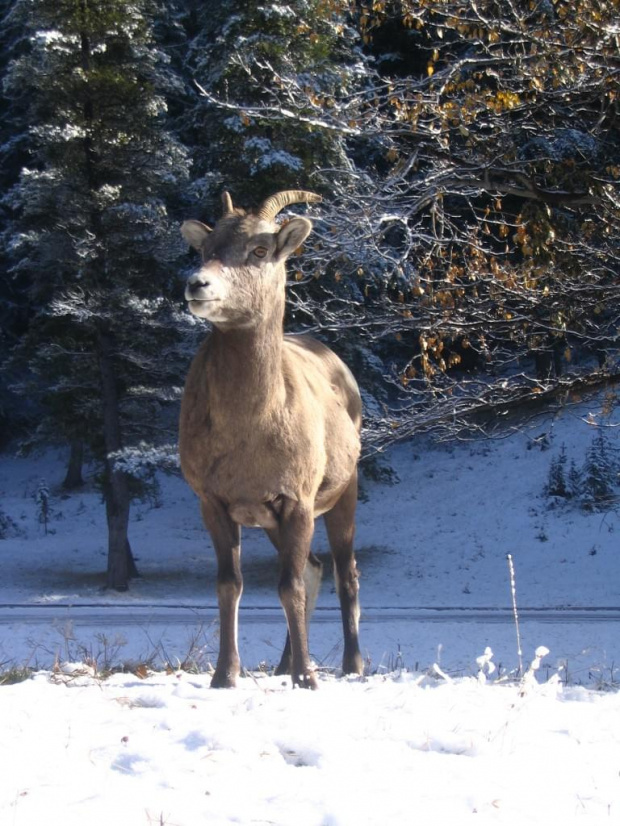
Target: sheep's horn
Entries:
(271, 206)
(227, 203)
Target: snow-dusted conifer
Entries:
(251, 52)
(575, 481)
(599, 473)
(42, 501)
(92, 232)
(557, 484)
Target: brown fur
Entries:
(269, 434)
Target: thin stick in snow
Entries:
(513, 589)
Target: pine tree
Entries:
(13, 300)
(239, 53)
(42, 500)
(93, 235)
(599, 473)
(557, 483)
(575, 481)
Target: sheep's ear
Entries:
(292, 236)
(195, 233)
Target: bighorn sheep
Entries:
(269, 430)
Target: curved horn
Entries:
(271, 206)
(227, 203)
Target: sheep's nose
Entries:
(195, 284)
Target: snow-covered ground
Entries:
(423, 735)
(166, 750)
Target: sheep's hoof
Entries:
(353, 664)
(223, 679)
(284, 667)
(306, 680)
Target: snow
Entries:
(51, 133)
(264, 156)
(443, 726)
(165, 749)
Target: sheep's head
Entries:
(243, 257)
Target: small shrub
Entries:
(376, 469)
(15, 675)
(44, 507)
(8, 527)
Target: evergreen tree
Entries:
(575, 481)
(557, 484)
(42, 501)
(13, 309)
(240, 51)
(599, 475)
(93, 235)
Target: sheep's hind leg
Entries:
(340, 524)
(226, 538)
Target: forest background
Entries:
(464, 260)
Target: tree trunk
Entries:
(121, 564)
(73, 479)
(117, 512)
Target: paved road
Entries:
(584, 642)
(111, 615)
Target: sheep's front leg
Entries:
(294, 538)
(312, 580)
(226, 538)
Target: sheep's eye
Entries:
(260, 252)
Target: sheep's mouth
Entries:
(204, 307)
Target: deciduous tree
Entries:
(469, 239)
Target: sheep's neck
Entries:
(246, 378)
